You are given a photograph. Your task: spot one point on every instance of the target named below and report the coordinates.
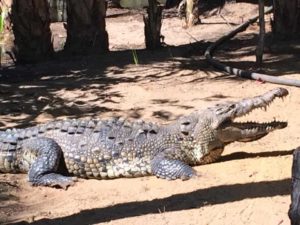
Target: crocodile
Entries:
(56, 153)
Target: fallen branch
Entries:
(228, 24)
(239, 72)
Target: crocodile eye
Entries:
(111, 137)
(225, 108)
(185, 127)
(186, 123)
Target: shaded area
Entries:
(280, 58)
(196, 199)
(244, 155)
(8, 199)
(29, 91)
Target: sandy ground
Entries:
(250, 184)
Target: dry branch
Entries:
(239, 72)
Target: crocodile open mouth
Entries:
(250, 131)
(247, 131)
(257, 127)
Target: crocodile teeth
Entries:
(283, 98)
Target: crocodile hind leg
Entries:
(43, 170)
(164, 167)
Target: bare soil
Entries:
(250, 184)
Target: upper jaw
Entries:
(245, 106)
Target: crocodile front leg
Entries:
(165, 167)
(43, 170)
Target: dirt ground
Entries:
(250, 184)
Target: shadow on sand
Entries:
(192, 200)
(196, 199)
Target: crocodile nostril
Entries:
(186, 123)
(152, 132)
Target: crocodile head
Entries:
(215, 127)
(222, 118)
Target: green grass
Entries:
(2, 20)
(135, 57)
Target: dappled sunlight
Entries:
(83, 87)
(240, 53)
(160, 87)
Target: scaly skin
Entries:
(118, 148)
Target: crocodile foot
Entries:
(54, 180)
(43, 171)
(171, 169)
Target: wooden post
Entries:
(153, 23)
(294, 211)
(261, 39)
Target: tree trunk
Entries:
(31, 27)
(5, 28)
(5, 8)
(86, 31)
(153, 25)
(192, 13)
(294, 210)
(190, 17)
(286, 24)
(261, 39)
